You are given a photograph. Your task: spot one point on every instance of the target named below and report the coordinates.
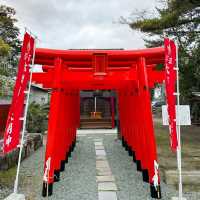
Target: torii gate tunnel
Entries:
(131, 73)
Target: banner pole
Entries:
(178, 128)
(24, 124)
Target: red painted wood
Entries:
(130, 72)
(150, 144)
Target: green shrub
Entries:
(37, 118)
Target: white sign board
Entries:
(184, 113)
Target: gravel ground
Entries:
(4, 191)
(78, 181)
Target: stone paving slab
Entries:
(107, 186)
(99, 147)
(105, 178)
(98, 143)
(98, 139)
(107, 195)
(102, 164)
(102, 169)
(100, 152)
(101, 157)
(104, 172)
(102, 161)
(14, 196)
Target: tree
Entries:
(9, 33)
(4, 48)
(179, 19)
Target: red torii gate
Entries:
(129, 72)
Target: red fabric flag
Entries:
(170, 81)
(13, 126)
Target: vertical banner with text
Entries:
(170, 81)
(14, 121)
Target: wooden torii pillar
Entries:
(131, 73)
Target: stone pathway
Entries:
(99, 169)
(106, 182)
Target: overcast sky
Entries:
(68, 24)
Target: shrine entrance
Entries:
(130, 73)
(98, 109)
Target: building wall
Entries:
(39, 96)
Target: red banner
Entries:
(14, 123)
(170, 81)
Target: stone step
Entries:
(99, 125)
(96, 127)
(95, 120)
(96, 123)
